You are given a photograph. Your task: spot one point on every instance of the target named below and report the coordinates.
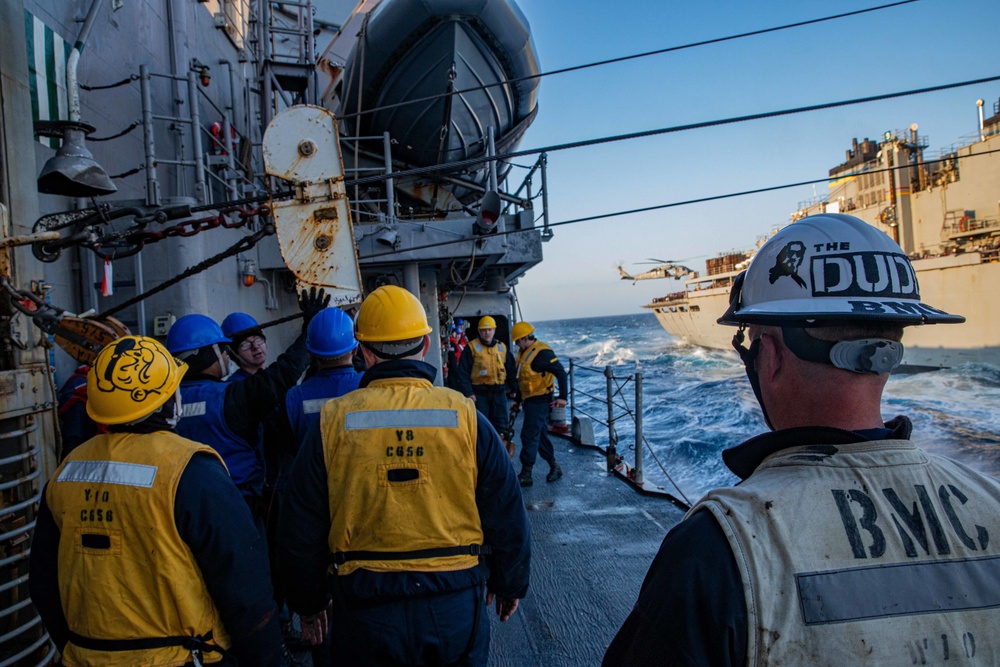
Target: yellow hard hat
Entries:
(391, 313)
(130, 379)
(487, 322)
(520, 330)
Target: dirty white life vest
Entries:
(873, 553)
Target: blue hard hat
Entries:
(236, 322)
(192, 332)
(459, 322)
(331, 333)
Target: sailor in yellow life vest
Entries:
(144, 551)
(538, 370)
(409, 492)
(485, 371)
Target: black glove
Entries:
(311, 302)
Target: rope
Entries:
(55, 399)
(717, 40)
(592, 417)
(362, 46)
(126, 174)
(130, 79)
(596, 398)
(468, 274)
(589, 368)
(266, 325)
(128, 129)
(242, 245)
(655, 457)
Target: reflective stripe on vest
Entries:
(488, 363)
(873, 553)
(531, 382)
(304, 402)
(113, 502)
(203, 420)
(401, 469)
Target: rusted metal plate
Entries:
(24, 391)
(301, 145)
(314, 229)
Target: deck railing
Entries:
(616, 400)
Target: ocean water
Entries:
(697, 402)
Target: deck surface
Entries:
(593, 540)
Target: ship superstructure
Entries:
(134, 187)
(943, 211)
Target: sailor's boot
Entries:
(525, 476)
(555, 472)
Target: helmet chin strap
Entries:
(749, 357)
(385, 354)
(175, 418)
(219, 356)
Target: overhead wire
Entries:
(461, 164)
(635, 56)
(685, 202)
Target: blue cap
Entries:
(331, 333)
(192, 332)
(236, 322)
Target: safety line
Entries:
(686, 202)
(461, 164)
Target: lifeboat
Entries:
(414, 50)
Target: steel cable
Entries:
(462, 164)
(242, 245)
(599, 63)
(685, 202)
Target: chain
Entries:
(128, 242)
(30, 303)
(91, 225)
(44, 315)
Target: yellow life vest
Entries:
(401, 466)
(124, 571)
(531, 382)
(488, 363)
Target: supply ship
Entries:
(941, 208)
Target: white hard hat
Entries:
(830, 269)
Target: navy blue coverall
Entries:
(246, 404)
(412, 618)
(535, 428)
(491, 399)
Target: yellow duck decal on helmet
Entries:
(132, 368)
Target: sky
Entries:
(925, 43)
(916, 45)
